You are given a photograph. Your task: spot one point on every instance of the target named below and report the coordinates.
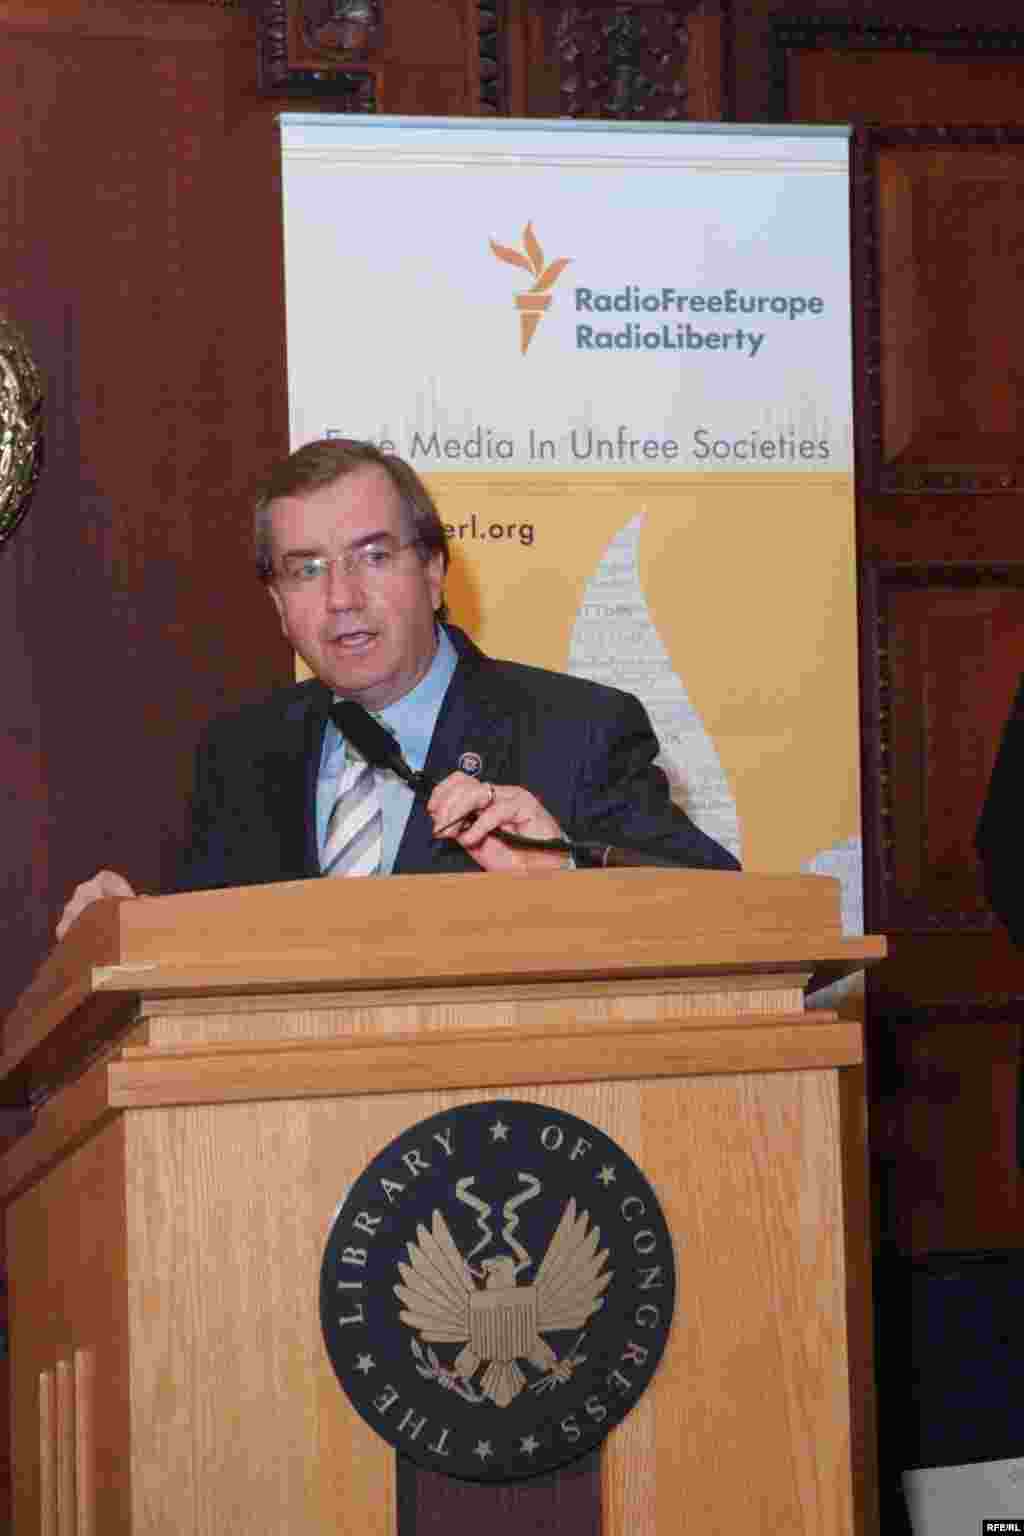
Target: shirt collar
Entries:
(412, 717)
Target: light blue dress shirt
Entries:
(412, 719)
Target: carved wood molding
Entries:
(291, 63)
(492, 23)
(633, 60)
(623, 62)
(836, 32)
(791, 34)
(866, 327)
(883, 707)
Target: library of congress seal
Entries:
(497, 1289)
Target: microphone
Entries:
(377, 745)
(380, 748)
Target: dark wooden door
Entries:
(938, 235)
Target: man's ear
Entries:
(275, 598)
(435, 579)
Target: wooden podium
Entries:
(212, 1071)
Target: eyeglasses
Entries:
(370, 562)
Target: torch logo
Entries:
(531, 304)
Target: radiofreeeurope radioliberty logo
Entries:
(531, 304)
(631, 318)
(635, 319)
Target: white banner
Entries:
(621, 358)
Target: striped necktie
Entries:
(355, 828)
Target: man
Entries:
(354, 555)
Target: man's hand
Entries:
(104, 883)
(468, 811)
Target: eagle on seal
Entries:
(502, 1322)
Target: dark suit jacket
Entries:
(1000, 835)
(587, 753)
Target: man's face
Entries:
(369, 637)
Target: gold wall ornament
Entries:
(21, 426)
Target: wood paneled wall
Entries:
(142, 258)
(938, 175)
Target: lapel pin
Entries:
(471, 763)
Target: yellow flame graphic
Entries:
(531, 304)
